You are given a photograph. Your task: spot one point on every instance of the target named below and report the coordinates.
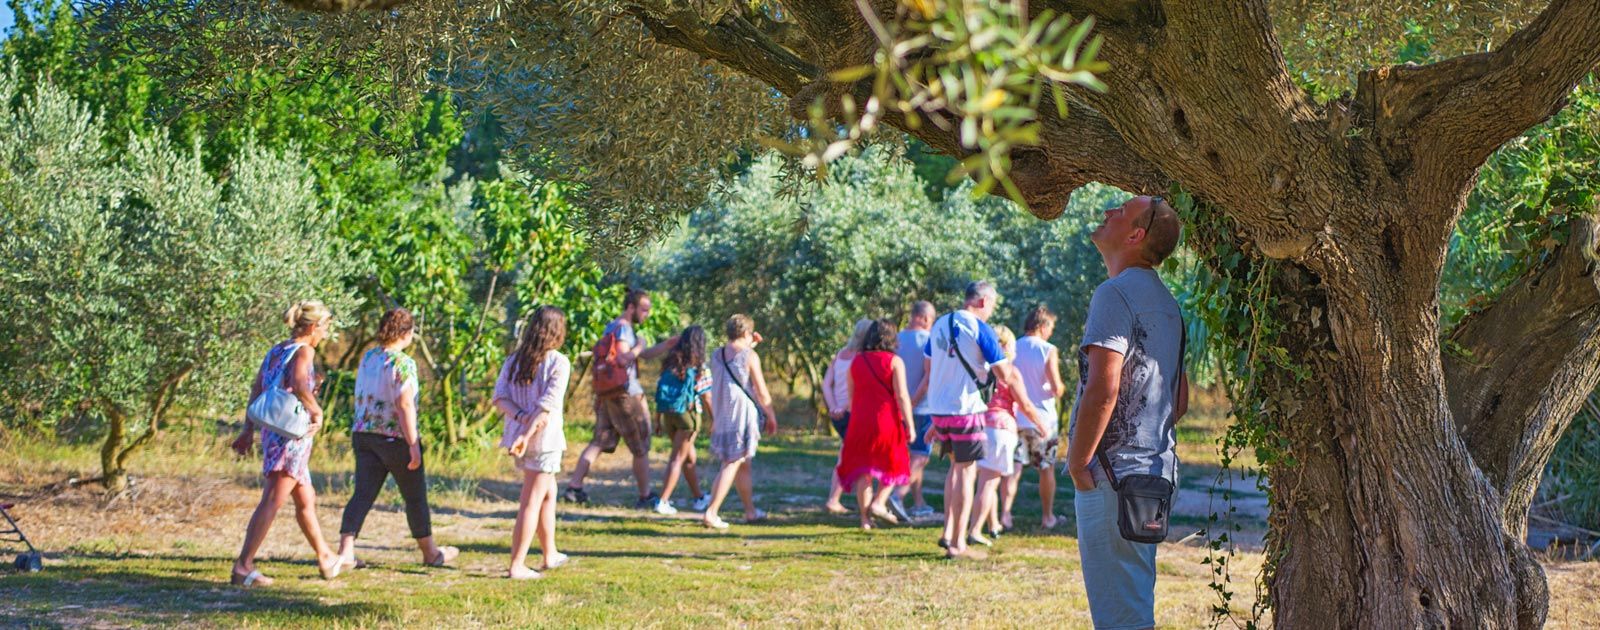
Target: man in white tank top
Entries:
(1040, 365)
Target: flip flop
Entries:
(530, 575)
(252, 580)
(884, 515)
(331, 572)
(560, 561)
(354, 563)
(446, 554)
(979, 538)
(759, 517)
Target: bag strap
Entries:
(957, 348)
(283, 366)
(886, 387)
(722, 355)
(1183, 356)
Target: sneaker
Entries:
(922, 511)
(648, 502)
(899, 509)
(575, 495)
(702, 503)
(662, 507)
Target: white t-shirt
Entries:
(951, 389)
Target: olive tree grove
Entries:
(1312, 169)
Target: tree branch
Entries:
(729, 39)
(1447, 117)
(1524, 366)
(1201, 91)
(344, 6)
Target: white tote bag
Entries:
(279, 409)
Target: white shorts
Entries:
(545, 462)
(999, 453)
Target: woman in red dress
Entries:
(875, 447)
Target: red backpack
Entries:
(610, 375)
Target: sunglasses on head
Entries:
(1150, 213)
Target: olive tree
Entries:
(1313, 169)
(133, 283)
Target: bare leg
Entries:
(544, 500)
(1008, 496)
(985, 499)
(747, 492)
(675, 465)
(274, 493)
(835, 493)
(719, 488)
(347, 548)
(1047, 494)
(918, 464)
(880, 498)
(691, 473)
(305, 513)
(863, 488)
(580, 470)
(951, 507)
(641, 473)
(960, 512)
(522, 532)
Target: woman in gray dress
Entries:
(742, 405)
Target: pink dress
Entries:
(279, 453)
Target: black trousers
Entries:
(377, 457)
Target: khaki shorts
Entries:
(622, 418)
(675, 423)
(545, 462)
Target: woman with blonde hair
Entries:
(289, 365)
(741, 405)
(836, 397)
(531, 393)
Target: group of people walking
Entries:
(985, 397)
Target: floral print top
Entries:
(382, 379)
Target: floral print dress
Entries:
(280, 453)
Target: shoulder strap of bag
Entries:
(1183, 351)
(722, 356)
(957, 347)
(283, 366)
(886, 387)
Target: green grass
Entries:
(137, 564)
(159, 556)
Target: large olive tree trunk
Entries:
(1412, 467)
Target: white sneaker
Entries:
(702, 503)
(662, 507)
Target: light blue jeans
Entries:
(1120, 576)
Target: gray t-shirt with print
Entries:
(1135, 315)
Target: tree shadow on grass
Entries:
(118, 592)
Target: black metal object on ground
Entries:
(29, 560)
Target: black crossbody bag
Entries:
(722, 357)
(1144, 502)
(985, 388)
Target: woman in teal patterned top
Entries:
(385, 442)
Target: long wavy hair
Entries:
(690, 352)
(546, 331)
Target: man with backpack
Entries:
(960, 347)
(620, 413)
(1131, 392)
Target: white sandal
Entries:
(252, 580)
